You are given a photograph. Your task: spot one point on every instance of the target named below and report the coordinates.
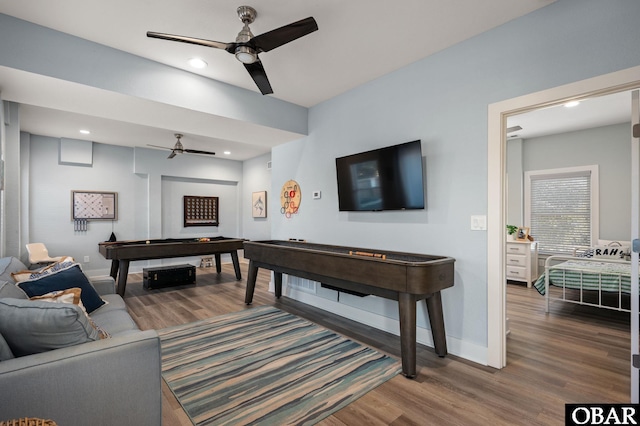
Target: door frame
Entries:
(496, 187)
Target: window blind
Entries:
(561, 212)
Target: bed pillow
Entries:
(31, 326)
(62, 277)
(610, 252)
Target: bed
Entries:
(601, 280)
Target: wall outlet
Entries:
(87, 259)
(317, 195)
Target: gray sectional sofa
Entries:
(73, 375)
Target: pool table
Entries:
(123, 252)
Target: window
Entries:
(561, 208)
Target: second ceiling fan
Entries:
(178, 148)
(247, 46)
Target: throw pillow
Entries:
(610, 252)
(9, 289)
(62, 277)
(71, 296)
(9, 265)
(29, 274)
(31, 326)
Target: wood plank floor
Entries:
(574, 354)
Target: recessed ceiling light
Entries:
(572, 104)
(85, 132)
(227, 152)
(197, 63)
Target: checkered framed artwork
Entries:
(200, 211)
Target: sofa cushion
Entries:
(9, 289)
(5, 350)
(31, 327)
(9, 265)
(114, 317)
(63, 277)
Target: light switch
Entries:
(479, 223)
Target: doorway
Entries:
(496, 190)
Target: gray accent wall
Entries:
(610, 148)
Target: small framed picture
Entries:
(522, 234)
(259, 204)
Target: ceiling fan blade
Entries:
(185, 39)
(283, 35)
(259, 76)
(173, 154)
(162, 147)
(195, 151)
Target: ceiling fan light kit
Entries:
(247, 46)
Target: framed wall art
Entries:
(200, 211)
(94, 205)
(259, 204)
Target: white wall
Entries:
(441, 100)
(150, 189)
(257, 177)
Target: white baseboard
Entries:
(455, 346)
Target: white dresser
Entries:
(522, 261)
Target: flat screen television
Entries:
(389, 178)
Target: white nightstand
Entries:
(522, 261)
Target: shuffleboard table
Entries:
(405, 277)
(123, 252)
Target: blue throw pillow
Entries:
(67, 276)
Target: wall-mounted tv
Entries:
(389, 178)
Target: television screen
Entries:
(382, 179)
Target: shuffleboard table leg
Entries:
(236, 264)
(251, 282)
(122, 277)
(407, 308)
(218, 263)
(436, 318)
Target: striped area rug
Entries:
(266, 366)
